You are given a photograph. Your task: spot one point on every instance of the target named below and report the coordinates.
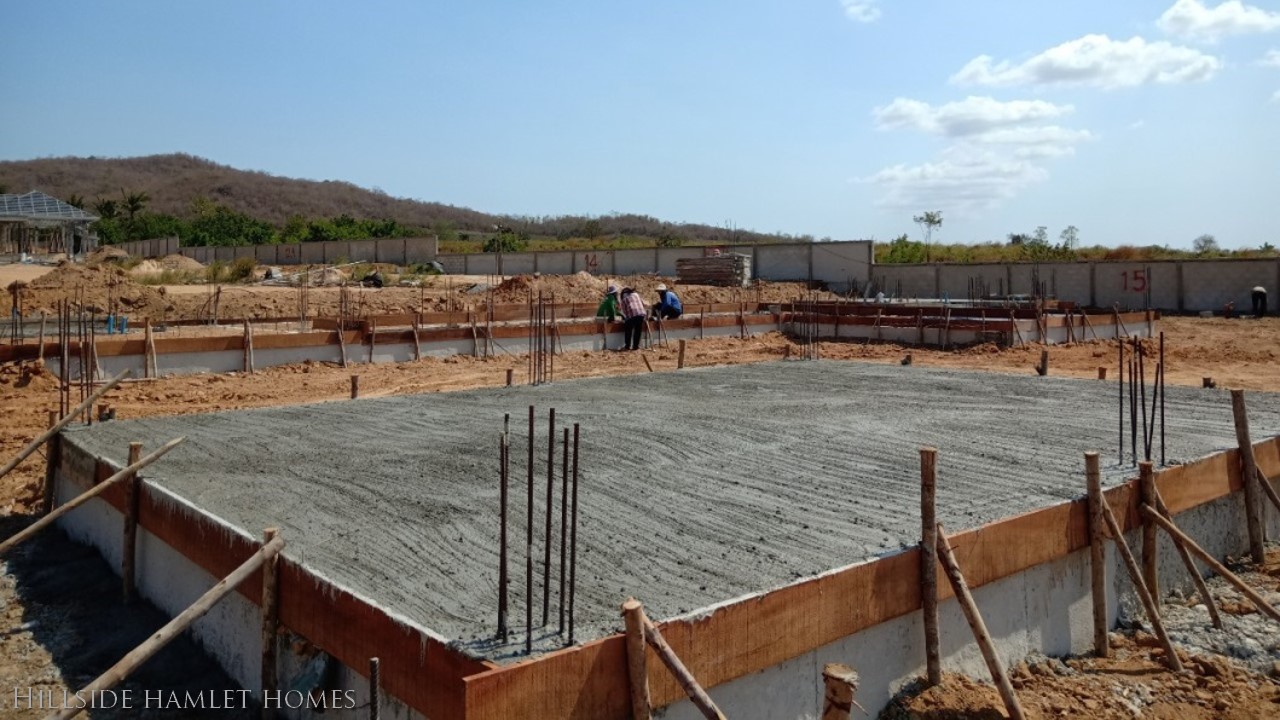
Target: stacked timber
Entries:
(724, 270)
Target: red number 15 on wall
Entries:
(1135, 281)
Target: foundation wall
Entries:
(231, 632)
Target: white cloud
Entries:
(971, 116)
(1276, 97)
(863, 11)
(1096, 60)
(994, 146)
(962, 181)
(1194, 20)
(1137, 124)
(1271, 59)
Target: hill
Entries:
(176, 183)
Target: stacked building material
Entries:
(725, 270)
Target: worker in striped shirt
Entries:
(633, 314)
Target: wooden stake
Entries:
(1190, 564)
(1268, 490)
(417, 341)
(840, 683)
(970, 608)
(929, 563)
(248, 347)
(355, 386)
(342, 343)
(175, 627)
(1213, 564)
(128, 551)
(646, 361)
(1150, 565)
(687, 681)
(1043, 368)
(148, 350)
(1135, 574)
(1249, 473)
(680, 357)
(373, 338)
(1097, 556)
(58, 425)
(270, 617)
(1102, 372)
(510, 372)
(86, 496)
(51, 452)
(40, 351)
(641, 707)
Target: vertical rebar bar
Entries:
(1142, 400)
(573, 534)
(528, 549)
(503, 466)
(564, 520)
(546, 550)
(1133, 401)
(1162, 373)
(375, 682)
(1120, 398)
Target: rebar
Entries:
(564, 519)
(573, 534)
(546, 550)
(528, 550)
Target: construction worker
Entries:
(608, 309)
(668, 306)
(633, 315)
(1259, 301)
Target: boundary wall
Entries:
(1170, 285)
(760, 656)
(838, 264)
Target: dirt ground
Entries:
(1235, 353)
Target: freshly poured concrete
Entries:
(696, 487)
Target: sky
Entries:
(1137, 122)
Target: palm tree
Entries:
(75, 200)
(134, 202)
(107, 209)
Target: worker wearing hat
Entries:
(668, 306)
(608, 308)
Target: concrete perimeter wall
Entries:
(394, 251)
(1045, 609)
(1173, 286)
(836, 263)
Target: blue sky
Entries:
(1140, 122)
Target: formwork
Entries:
(765, 514)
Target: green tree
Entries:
(506, 241)
(1206, 245)
(134, 202)
(1070, 238)
(444, 230)
(928, 221)
(75, 200)
(106, 209)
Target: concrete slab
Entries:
(697, 486)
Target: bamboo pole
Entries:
(1190, 564)
(1097, 556)
(121, 670)
(86, 496)
(1150, 561)
(687, 681)
(1135, 574)
(1249, 473)
(929, 562)
(270, 618)
(1262, 605)
(66, 420)
(970, 608)
(128, 550)
(840, 683)
(637, 660)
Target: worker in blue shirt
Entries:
(668, 306)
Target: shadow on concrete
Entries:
(70, 601)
